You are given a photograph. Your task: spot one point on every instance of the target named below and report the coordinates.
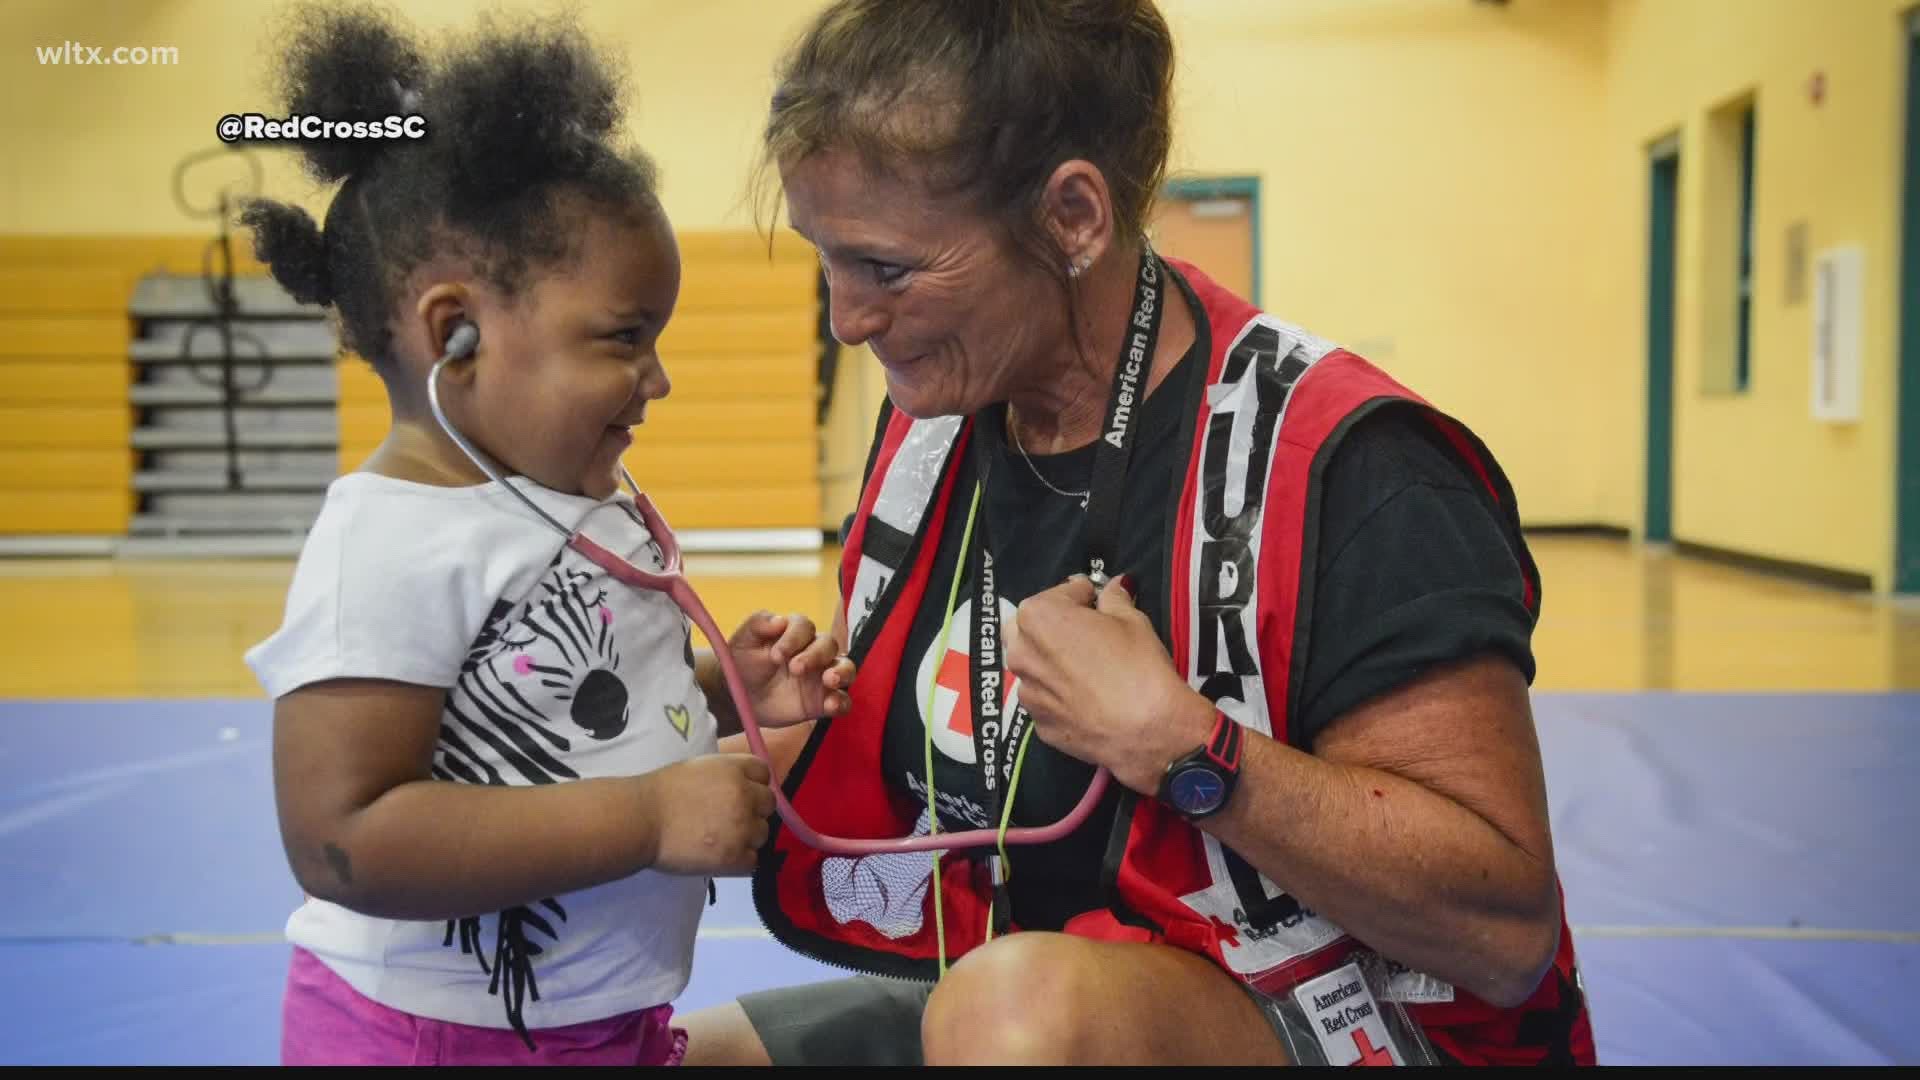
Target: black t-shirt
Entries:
(1414, 567)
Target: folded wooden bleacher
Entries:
(113, 426)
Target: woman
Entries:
(1285, 603)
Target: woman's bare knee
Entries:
(1039, 998)
(1014, 1002)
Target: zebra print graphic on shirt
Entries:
(535, 667)
(540, 674)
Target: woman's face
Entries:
(955, 315)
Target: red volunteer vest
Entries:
(1274, 401)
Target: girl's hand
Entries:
(793, 673)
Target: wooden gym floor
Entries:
(1729, 757)
(1616, 617)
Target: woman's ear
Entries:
(1077, 208)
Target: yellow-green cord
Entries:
(1020, 758)
(933, 810)
(1006, 815)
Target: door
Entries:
(1215, 225)
(1906, 560)
(1662, 210)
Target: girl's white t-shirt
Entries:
(554, 672)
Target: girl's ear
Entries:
(445, 318)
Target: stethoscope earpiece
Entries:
(462, 342)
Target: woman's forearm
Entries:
(1412, 873)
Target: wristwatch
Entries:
(1201, 781)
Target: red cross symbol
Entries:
(1225, 931)
(953, 676)
(956, 675)
(1369, 1053)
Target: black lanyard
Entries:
(996, 736)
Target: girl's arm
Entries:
(366, 826)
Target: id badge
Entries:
(1348, 1017)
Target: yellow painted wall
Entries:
(92, 148)
(1456, 190)
(1380, 228)
(1424, 170)
(1754, 471)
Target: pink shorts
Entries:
(325, 1021)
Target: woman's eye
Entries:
(885, 273)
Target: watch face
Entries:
(1196, 789)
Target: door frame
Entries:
(1198, 188)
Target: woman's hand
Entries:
(1099, 684)
(793, 674)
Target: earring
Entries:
(1074, 268)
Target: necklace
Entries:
(1014, 433)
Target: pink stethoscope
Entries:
(673, 582)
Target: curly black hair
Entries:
(520, 119)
